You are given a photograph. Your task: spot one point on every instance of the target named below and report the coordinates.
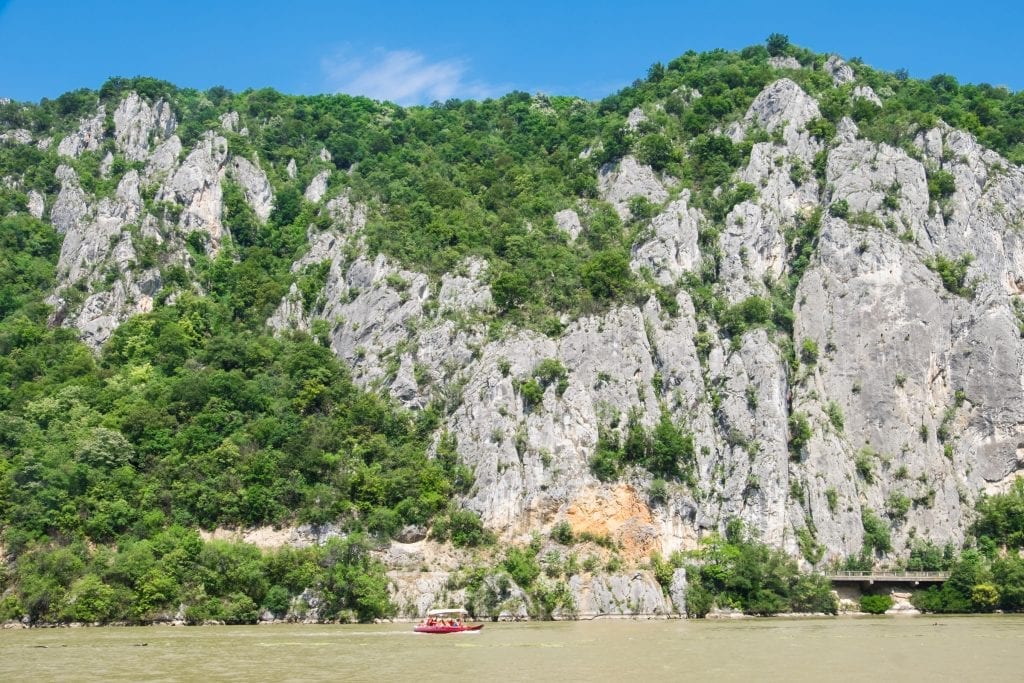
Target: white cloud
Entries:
(401, 76)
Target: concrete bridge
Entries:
(885, 576)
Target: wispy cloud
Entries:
(401, 76)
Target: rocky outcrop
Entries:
(863, 174)
(465, 291)
(415, 593)
(865, 92)
(635, 118)
(36, 204)
(753, 243)
(783, 104)
(784, 62)
(164, 157)
(568, 221)
(85, 242)
(618, 183)
(18, 136)
(196, 186)
(70, 208)
(673, 248)
(137, 124)
(317, 187)
(839, 70)
(88, 136)
(635, 594)
(229, 121)
(99, 255)
(255, 185)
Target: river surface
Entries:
(978, 648)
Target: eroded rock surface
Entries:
(87, 138)
(840, 71)
(620, 183)
(137, 124)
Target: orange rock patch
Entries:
(618, 513)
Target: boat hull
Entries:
(447, 629)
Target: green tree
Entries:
(777, 44)
(876, 532)
(875, 604)
(606, 275)
(672, 452)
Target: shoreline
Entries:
(787, 616)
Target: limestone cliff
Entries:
(897, 349)
(912, 391)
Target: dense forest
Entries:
(195, 416)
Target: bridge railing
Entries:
(888, 574)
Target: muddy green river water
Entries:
(983, 648)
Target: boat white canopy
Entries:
(454, 612)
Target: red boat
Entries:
(446, 621)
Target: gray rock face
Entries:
(618, 184)
(568, 221)
(351, 217)
(317, 187)
(164, 158)
(895, 349)
(36, 204)
(753, 243)
(637, 594)
(839, 70)
(195, 185)
(79, 249)
(229, 121)
(415, 592)
(865, 92)
(87, 138)
(635, 118)
(862, 173)
(255, 185)
(903, 346)
(18, 136)
(784, 62)
(137, 124)
(847, 130)
(98, 252)
(677, 590)
(106, 165)
(673, 249)
(465, 292)
(331, 246)
(70, 207)
(783, 104)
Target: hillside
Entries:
(767, 290)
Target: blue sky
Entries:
(414, 52)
